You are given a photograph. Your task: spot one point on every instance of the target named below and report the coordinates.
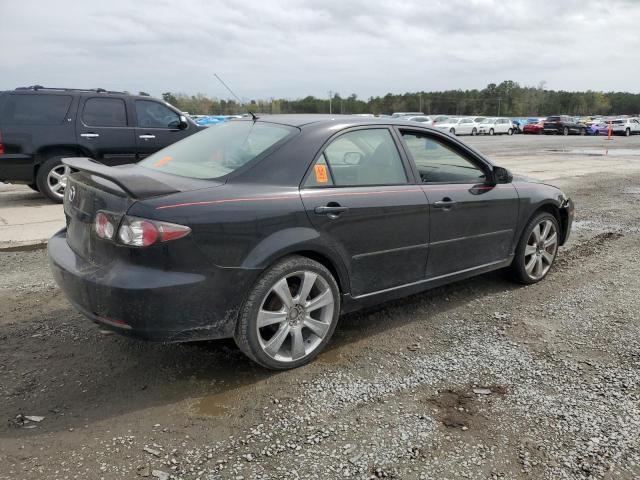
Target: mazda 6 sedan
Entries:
(266, 230)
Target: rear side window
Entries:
(36, 109)
(155, 115)
(104, 112)
(218, 150)
(364, 157)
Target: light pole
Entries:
(330, 96)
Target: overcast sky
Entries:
(290, 49)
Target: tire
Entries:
(452, 131)
(272, 345)
(533, 261)
(627, 132)
(52, 178)
(510, 131)
(33, 187)
(565, 131)
(491, 132)
(582, 132)
(474, 132)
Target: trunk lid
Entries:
(94, 188)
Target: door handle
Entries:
(89, 135)
(331, 210)
(446, 203)
(147, 137)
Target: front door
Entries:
(158, 126)
(104, 128)
(358, 196)
(472, 222)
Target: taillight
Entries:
(1, 145)
(140, 232)
(104, 226)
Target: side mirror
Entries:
(502, 175)
(183, 122)
(352, 158)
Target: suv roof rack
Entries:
(97, 90)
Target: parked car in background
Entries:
(625, 126)
(533, 126)
(438, 119)
(424, 119)
(563, 125)
(459, 126)
(405, 114)
(40, 126)
(496, 126)
(267, 230)
(478, 120)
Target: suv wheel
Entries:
(52, 178)
(627, 132)
(510, 131)
(289, 315)
(536, 249)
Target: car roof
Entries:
(302, 120)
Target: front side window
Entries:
(36, 109)
(439, 163)
(358, 158)
(218, 150)
(104, 112)
(155, 115)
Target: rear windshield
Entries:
(218, 150)
(37, 109)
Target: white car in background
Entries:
(625, 126)
(423, 119)
(459, 126)
(496, 126)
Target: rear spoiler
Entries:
(127, 177)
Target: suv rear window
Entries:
(218, 150)
(36, 109)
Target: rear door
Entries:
(359, 196)
(157, 126)
(105, 129)
(472, 222)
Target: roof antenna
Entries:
(253, 115)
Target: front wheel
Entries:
(474, 132)
(491, 132)
(536, 250)
(565, 131)
(627, 132)
(289, 315)
(51, 179)
(510, 132)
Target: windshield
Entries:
(218, 150)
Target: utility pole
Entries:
(330, 97)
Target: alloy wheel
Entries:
(57, 179)
(295, 316)
(540, 250)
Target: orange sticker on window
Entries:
(321, 173)
(163, 161)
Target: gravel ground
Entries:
(481, 379)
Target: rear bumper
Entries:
(151, 303)
(16, 167)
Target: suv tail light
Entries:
(1, 145)
(140, 232)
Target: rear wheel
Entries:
(474, 132)
(491, 132)
(565, 131)
(289, 315)
(536, 249)
(51, 179)
(627, 132)
(510, 131)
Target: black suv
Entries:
(563, 125)
(40, 126)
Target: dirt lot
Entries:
(481, 379)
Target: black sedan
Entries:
(267, 229)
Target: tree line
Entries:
(505, 99)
